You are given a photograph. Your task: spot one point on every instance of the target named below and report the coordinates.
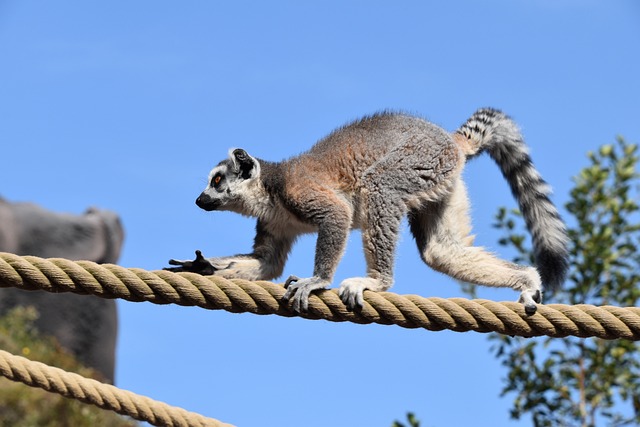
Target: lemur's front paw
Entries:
(530, 298)
(200, 265)
(298, 290)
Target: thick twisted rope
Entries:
(236, 296)
(105, 396)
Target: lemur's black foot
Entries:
(199, 265)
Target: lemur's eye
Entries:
(216, 180)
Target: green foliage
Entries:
(411, 420)
(23, 406)
(584, 382)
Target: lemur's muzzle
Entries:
(206, 202)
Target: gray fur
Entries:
(368, 175)
(500, 137)
(86, 326)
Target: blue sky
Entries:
(127, 105)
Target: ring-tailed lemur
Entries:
(368, 175)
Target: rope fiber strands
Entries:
(105, 396)
(236, 296)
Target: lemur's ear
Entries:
(247, 165)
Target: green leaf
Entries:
(570, 381)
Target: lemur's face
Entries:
(229, 183)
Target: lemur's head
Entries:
(230, 183)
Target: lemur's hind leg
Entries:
(442, 232)
(389, 188)
(383, 214)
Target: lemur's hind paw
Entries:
(530, 299)
(352, 292)
(299, 290)
(199, 265)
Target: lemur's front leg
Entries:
(248, 266)
(329, 248)
(200, 265)
(333, 230)
(266, 262)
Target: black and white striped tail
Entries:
(492, 131)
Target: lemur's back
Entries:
(348, 151)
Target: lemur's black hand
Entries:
(200, 265)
